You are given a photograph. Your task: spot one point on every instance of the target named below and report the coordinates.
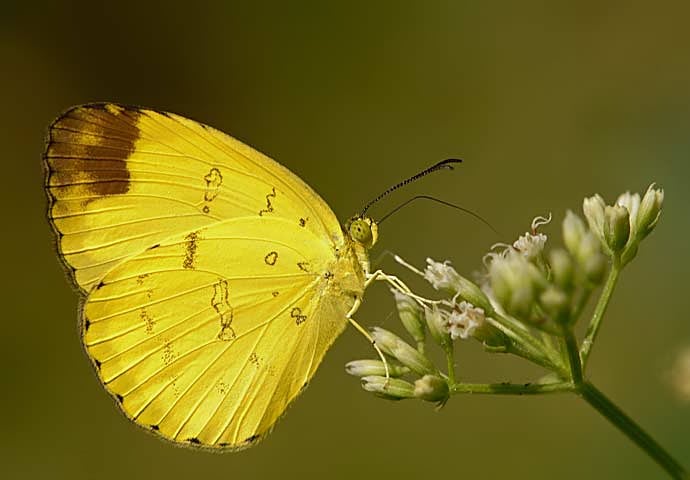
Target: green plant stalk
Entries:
(520, 345)
(450, 360)
(547, 340)
(599, 310)
(524, 344)
(573, 355)
(543, 343)
(512, 388)
(633, 431)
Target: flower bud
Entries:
(573, 231)
(438, 326)
(521, 301)
(649, 212)
(389, 388)
(591, 260)
(556, 304)
(631, 202)
(431, 388)
(562, 268)
(492, 338)
(444, 277)
(593, 208)
(365, 368)
(396, 347)
(410, 314)
(515, 283)
(616, 227)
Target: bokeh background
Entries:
(546, 102)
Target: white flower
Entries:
(441, 275)
(464, 320)
(531, 245)
(444, 277)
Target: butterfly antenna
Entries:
(444, 164)
(442, 202)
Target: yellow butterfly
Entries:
(214, 278)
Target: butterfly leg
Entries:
(366, 334)
(399, 285)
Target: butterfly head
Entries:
(363, 230)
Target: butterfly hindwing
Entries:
(209, 336)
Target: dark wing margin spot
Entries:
(119, 398)
(194, 440)
(88, 149)
(87, 324)
(155, 428)
(252, 439)
(97, 363)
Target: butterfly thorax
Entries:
(347, 273)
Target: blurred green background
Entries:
(546, 101)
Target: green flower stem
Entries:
(633, 431)
(599, 310)
(550, 347)
(522, 344)
(547, 340)
(538, 344)
(512, 388)
(511, 322)
(525, 345)
(451, 363)
(573, 355)
(563, 353)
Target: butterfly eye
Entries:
(360, 231)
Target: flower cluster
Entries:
(620, 227)
(525, 302)
(404, 360)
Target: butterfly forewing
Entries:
(123, 179)
(215, 278)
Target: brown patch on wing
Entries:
(88, 148)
